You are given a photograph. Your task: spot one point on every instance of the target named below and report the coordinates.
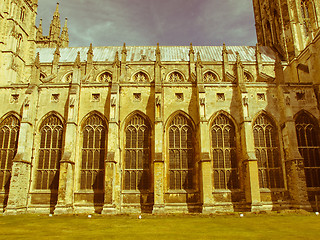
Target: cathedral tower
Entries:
(17, 19)
(287, 26)
(56, 37)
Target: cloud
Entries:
(146, 22)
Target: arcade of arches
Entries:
(181, 167)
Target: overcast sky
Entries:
(146, 22)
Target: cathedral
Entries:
(160, 129)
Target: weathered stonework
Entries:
(159, 129)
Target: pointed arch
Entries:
(182, 113)
(223, 149)
(175, 76)
(181, 141)
(9, 134)
(134, 113)
(248, 77)
(67, 77)
(137, 159)
(307, 129)
(93, 152)
(211, 76)
(141, 76)
(49, 152)
(267, 152)
(47, 115)
(104, 76)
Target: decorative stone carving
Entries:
(210, 77)
(105, 77)
(175, 77)
(245, 101)
(14, 98)
(140, 77)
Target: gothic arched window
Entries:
(140, 77)
(50, 153)
(309, 148)
(176, 77)
(105, 77)
(223, 144)
(267, 152)
(210, 77)
(9, 132)
(93, 153)
(181, 153)
(137, 154)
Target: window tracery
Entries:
(105, 77)
(50, 152)
(223, 144)
(137, 154)
(210, 77)
(140, 77)
(181, 153)
(9, 133)
(176, 77)
(267, 152)
(93, 153)
(309, 148)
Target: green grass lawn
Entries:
(252, 226)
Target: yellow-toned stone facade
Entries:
(159, 129)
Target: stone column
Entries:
(112, 172)
(250, 166)
(112, 196)
(158, 164)
(21, 169)
(206, 180)
(205, 161)
(112, 189)
(158, 168)
(66, 173)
